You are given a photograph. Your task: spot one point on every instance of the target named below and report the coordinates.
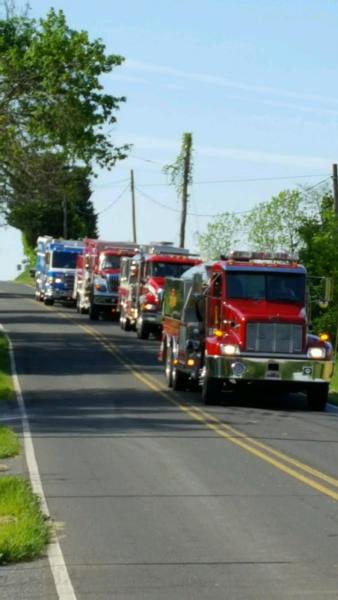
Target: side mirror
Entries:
(320, 290)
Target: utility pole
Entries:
(186, 179)
(133, 211)
(180, 176)
(335, 186)
(65, 218)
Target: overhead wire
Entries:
(196, 214)
(114, 202)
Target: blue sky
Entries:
(255, 83)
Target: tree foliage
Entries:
(274, 225)
(54, 120)
(50, 93)
(221, 236)
(319, 253)
(39, 208)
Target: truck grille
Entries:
(283, 338)
(69, 281)
(113, 283)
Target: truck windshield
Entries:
(64, 260)
(167, 269)
(110, 262)
(274, 287)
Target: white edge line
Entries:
(63, 584)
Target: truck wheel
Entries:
(179, 380)
(127, 324)
(211, 390)
(79, 308)
(168, 369)
(93, 313)
(124, 322)
(142, 330)
(317, 394)
(49, 301)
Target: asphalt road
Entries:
(156, 497)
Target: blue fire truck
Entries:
(55, 269)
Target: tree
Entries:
(274, 225)
(221, 236)
(38, 205)
(51, 102)
(180, 176)
(319, 253)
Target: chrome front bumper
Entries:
(152, 318)
(245, 368)
(105, 300)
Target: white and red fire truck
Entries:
(98, 275)
(244, 320)
(142, 283)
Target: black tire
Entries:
(168, 366)
(211, 390)
(142, 330)
(317, 395)
(93, 313)
(49, 301)
(179, 380)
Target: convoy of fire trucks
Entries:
(239, 321)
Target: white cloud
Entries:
(135, 65)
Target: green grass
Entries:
(24, 531)
(333, 395)
(25, 278)
(9, 443)
(6, 382)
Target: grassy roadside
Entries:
(6, 383)
(333, 394)
(9, 443)
(25, 278)
(24, 532)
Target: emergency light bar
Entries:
(243, 255)
(165, 248)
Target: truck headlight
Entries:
(58, 280)
(318, 353)
(229, 349)
(101, 287)
(150, 306)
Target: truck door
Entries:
(214, 302)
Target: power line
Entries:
(114, 201)
(148, 160)
(195, 214)
(240, 180)
(318, 183)
(177, 210)
(247, 180)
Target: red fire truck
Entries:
(98, 275)
(243, 320)
(142, 283)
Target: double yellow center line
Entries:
(300, 471)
